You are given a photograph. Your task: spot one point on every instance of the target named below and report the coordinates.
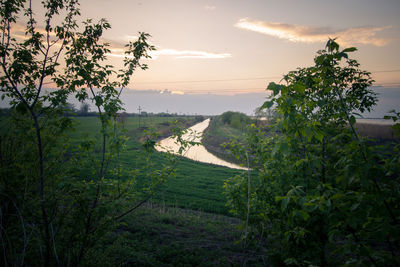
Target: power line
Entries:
(239, 79)
(380, 71)
(398, 83)
(216, 80)
(232, 79)
(226, 90)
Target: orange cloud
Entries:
(309, 34)
(18, 31)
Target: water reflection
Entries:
(198, 152)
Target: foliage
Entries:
(269, 114)
(84, 109)
(236, 120)
(57, 197)
(395, 117)
(323, 196)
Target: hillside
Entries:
(219, 133)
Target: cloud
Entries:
(117, 48)
(189, 54)
(177, 92)
(208, 7)
(178, 54)
(309, 34)
(18, 31)
(132, 38)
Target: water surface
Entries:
(198, 152)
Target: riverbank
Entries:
(197, 152)
(218, 134)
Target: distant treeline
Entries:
(86, 113)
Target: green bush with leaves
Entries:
(57, 200)
(323, 195)
(236, 120)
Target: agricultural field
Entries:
(186, 220)
(197, 186)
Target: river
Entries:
(198, 152)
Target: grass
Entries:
(219, 133)
(184, 224)
(197, 186)
(156, 235)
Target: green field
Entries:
(184, 223)
(196, 186)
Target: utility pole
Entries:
(139, 109)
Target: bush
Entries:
(57, 199)
(323, 196)
(236, 120)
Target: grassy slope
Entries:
(156, 235)
(196, 186)
(219, 133)
(160, 233)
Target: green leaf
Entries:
(299, 88)
(332, 234)
(319, 136)
(276, 88)
(352, 120)
(98, 100)
(300, 162)
(396, 128)
(304, 215)
(21, 108)
(341, 54)
(328, 203)
(387, 117)
(284, 147)
(267, 104)
(354, 206)
(349, 49)
(285, 202)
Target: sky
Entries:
(236, 47)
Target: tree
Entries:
(51, 211)
(237, 120)
(323, 195)
(84, 109)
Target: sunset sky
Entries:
(230, 46)
(238, 46)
